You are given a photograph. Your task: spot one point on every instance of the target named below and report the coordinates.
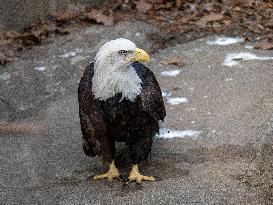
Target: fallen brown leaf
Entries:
(256, 28)
(237, 8)
(265, 45)
(65, 15)
(269, 24)
(99, 17)
(23, 128)
(10, 35)
(210, 18)
(227, 22)
(3, 59)
(143, 6)
(32, 38)
(62, 31)
(178, 3)
(160, 18)
(174, 60)
(156, 1)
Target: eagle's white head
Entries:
(113, 72)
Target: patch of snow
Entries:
(138, 34)
(193, 7)
(170, 73)
(72, 53)
(176, 101)
(223, 41)
(77, 59)
(78, 50)
(191, 109)
(5, 76)
(168, 133)
(228, 79)
(234, 59)
(198, 49)
(69, 54)
(173, 100)
(22, 107)
(249, 46)
(40, 68)
(167, 94)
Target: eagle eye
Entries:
(124, 52)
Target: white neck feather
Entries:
(110, 79)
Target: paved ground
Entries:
(230, 162)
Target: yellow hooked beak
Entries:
(140, 55)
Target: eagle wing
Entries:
(151, 96)
(89, 118)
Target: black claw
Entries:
(121, 178)
(157, 178)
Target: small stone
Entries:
(5, 76)
(22, 108)
(125, 7)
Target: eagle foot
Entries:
(136, 176)
(112, 173)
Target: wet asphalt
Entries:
(229, 162)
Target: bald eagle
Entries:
(119, 101)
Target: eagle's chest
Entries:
(106, 85)
(118, 112)
(121, 116)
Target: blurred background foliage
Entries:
(31, 22)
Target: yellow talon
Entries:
(111, 174)
(136, 176)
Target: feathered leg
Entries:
(108, 153)
(140, 151)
